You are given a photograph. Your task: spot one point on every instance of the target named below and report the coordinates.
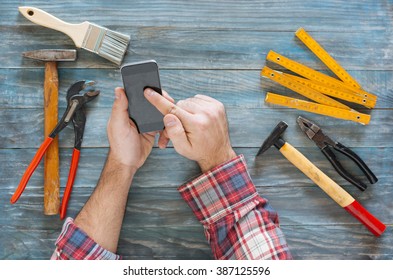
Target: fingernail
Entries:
(117, 95)
(149, 91)
(170, 122)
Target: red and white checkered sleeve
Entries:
(238, 223)
(74, 244)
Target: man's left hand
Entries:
(127, 146)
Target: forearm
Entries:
(101, 217)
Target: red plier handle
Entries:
(31, 168)
(75, 113)
(70, 182)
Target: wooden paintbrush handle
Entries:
(337, 193)
(51, 161)
(77, 32)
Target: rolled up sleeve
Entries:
(238, 222)
(74, 244)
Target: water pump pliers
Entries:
(74, 113)
(325, 143)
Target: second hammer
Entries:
(331, 188)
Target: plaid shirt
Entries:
(238, 223)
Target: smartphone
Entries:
(136, 78)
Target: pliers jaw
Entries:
(315, 133)
(76, 103)
(77, 87)
(74, 92)
(75, 108)
(325, 143)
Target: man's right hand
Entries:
(197, 127)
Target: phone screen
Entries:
(137, 77)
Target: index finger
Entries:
(165, 106)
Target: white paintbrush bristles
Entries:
(107, 43)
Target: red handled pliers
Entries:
(75, 113)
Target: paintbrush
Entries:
(109, 44)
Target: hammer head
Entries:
(51, 55)
(274, 138)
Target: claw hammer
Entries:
(51, 101)
(331, 188)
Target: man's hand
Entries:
(127, 146)
(102, 216)
(197, 127)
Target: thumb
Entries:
(175, 131)
(120, 107)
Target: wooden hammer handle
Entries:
(51, 161)
(337, 193)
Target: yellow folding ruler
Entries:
(316, 76)
(350, 115)
(326, 58)
(288, 82)
(334, 92)
(318, 86)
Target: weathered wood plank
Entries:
(254, 14)
(22, 128)
(22, 88)
(154, 200)
(310, 242)
(178, 48)
(171, 243)
(27, 244)
(164, 243)
(157, 207)
(270, 169)
(338, 243)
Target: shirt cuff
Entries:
(220, 191)
(74, 244)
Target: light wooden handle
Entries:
(77, 32)
(337, 193)
(51, 161)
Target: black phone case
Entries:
(145, 116)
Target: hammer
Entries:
(51, 92)
(331, 188)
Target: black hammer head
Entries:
(274, 138)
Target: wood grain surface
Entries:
(51, 158)
(215, 48)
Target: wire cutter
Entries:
(75, 113)
(315, 133)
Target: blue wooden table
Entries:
(215, 48)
